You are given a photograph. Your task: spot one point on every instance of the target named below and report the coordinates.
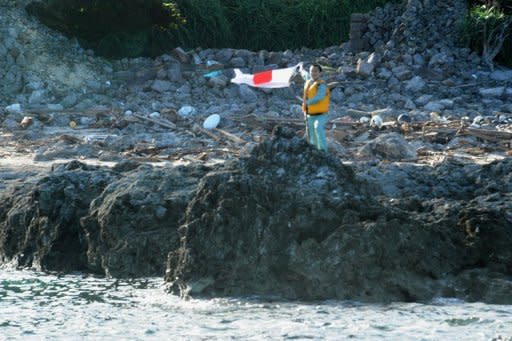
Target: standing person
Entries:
(315, 105)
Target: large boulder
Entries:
(40, 222)
(133, 224)
(295, 222)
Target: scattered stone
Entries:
(391, 147)
(13, 108)
(186, 111)
(376, 122)
(211, 121)
(492, 92)
(181, 55)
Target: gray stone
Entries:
(402, 72)
(70, 100)
(218, 82)
(423, 99)
(174, 73)
(391, 147)
(125, 75)
(3, 50)
(54, 107)
(415, 84)
(184, 90)
(502, 75)
(10, 124)
(409, 104)
(364, 68)
(231, 92)
(446, 103)
(337, 95)
(143, 74)
(13, 108)
(187, 110)
(418, 59)
(224, 55)
(238, 62)
(492, 92)
(196, 59)
(161, 74)
(384, 73)
(433, 106)
(34, 85)
(274, 58)
(247, 94)
(37, 97)
(161, 86)
(60, 119)
(21, 60)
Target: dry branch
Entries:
(161, 122)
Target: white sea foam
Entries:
(41, 306)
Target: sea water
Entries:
(40, 306)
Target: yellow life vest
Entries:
(310, 90)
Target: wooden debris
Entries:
(490, 135)
(206, 132)
(332, 85)
(162, 122)
(368, 113)
(70, 139)
(230, 136)
(89, 111)
(26, 121)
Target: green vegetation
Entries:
(487, 29)
(132, 28)
(269, 24)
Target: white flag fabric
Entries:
(279, 78)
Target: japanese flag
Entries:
(279, 78)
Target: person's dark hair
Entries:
(317, 66)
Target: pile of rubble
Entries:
(61, 101)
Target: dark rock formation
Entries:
(286, 221)
(132, 225)
(40, 222)
(120, 222)
(293, 222)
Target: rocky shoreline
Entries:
(106, 168)
(285, 221)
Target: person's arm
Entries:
(320, 94)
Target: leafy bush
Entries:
(205, 24)
(151, 27)
(270, 24)
(486, 29)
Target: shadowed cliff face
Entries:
(293, 222)
(120, 222)
(39, 222)
(132, 225)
